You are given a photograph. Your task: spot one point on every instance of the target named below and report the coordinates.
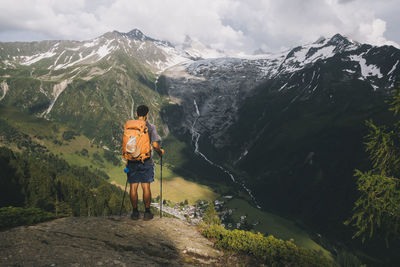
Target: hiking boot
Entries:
(148, 216)
(135, 215)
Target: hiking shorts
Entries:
(140, 172)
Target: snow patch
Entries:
(323, 53)
(366, 70)
(100, 53)
(105, 50)
(172, 58)
(349, 71)
(4, 87)
(140, 47)
(242, 155)
(28, 60)
(8, 63)
(69, 63)
(57, 90)
(55, 62)
(42, 90)
(72, 48)
(92, 43)
(374, 86)
(300, 58)
(393, 68)
(283, 86)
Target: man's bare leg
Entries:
(134, 195)
(146, 195)
(147, 201)
(134, 200)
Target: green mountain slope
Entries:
(93, 86)
(25, 133)
(38, 180)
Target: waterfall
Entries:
(195, 140)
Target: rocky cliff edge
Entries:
(107, 241)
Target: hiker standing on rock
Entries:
(139, 137)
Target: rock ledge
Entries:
(106, 241)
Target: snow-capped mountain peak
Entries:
(137, 34)
(198, 50)
(322, 49)
(320, 40)
(338, 39)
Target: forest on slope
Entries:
(44, 181)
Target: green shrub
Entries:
(270, 250)
(69, 135)
(57, 142)
(85, 152)
(55, 128)
(111, 157)
(102, 174)
(96, 156)
(14, 216)
(347, 259)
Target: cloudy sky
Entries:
(231, 25)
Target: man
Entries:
(142, 171)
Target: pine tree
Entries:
(211, 216)
(377, 211)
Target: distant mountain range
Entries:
(287, 126)
(112, 73)
(221, 86)
(94, 84)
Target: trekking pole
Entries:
(126, 170)
(161, 190)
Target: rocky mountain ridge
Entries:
(219, 86)
(52, 66)
(155, 54)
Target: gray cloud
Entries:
(345, 1)
(236, 25)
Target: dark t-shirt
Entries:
(154, 137)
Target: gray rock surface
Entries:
(107, 241)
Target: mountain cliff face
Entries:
(221, 86)
(289, 127)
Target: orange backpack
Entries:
(136, 141)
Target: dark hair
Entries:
(142, 110)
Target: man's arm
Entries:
(157, 148)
